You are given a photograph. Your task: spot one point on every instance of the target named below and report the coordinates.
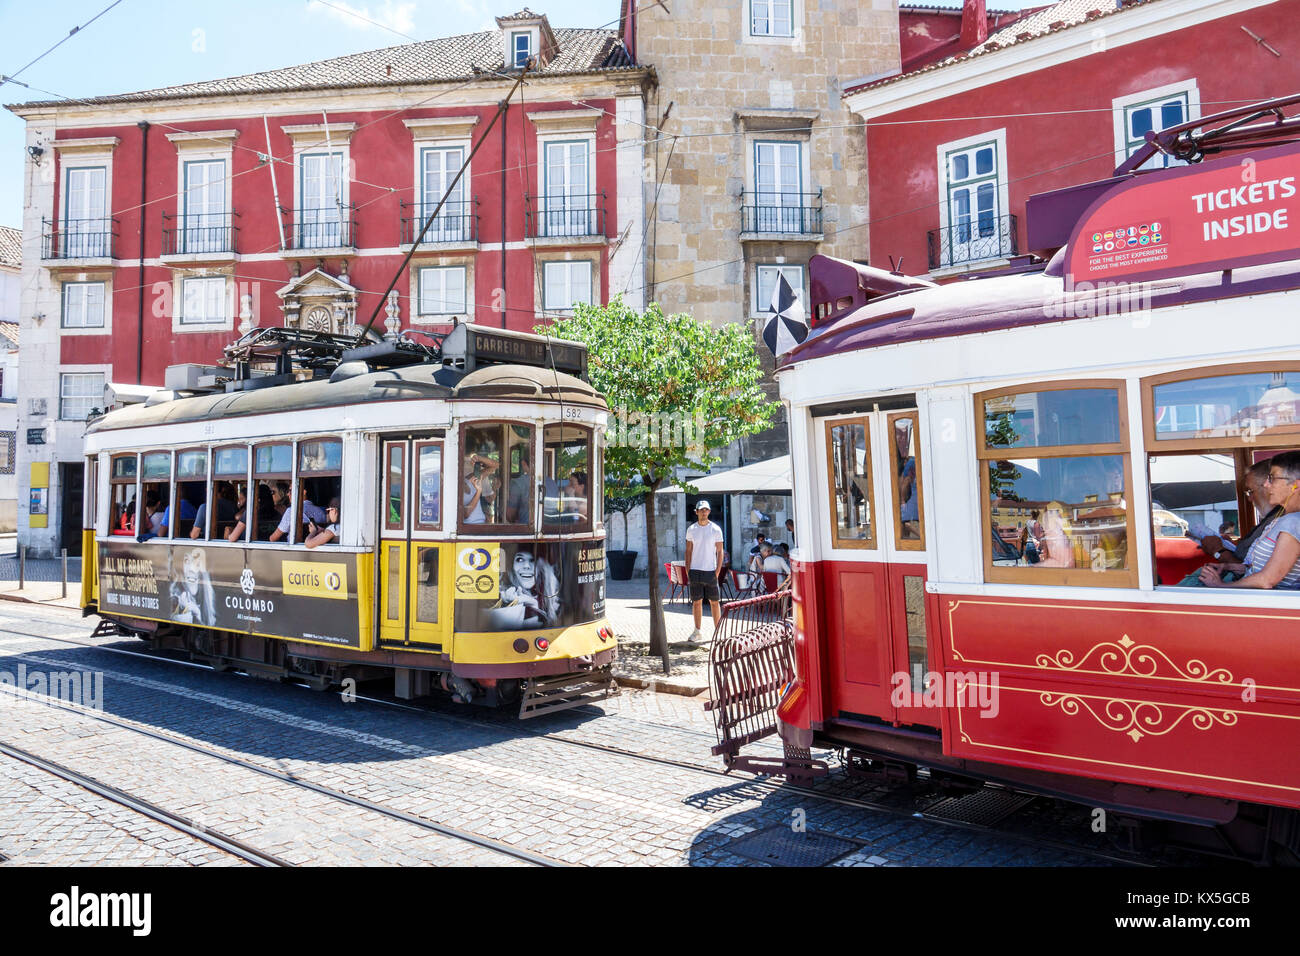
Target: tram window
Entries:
(906, 481)
(849, 468)
(1223, 410)
(566, 477)
(272, 473)
(156, 489)
(1054, 466)
(496, 458)
(230, 483)
(191, 493)
(394, 486)
(428, 502)
(320, 473)
(122, 480)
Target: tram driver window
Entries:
(320, 474)
(191, 493)
(849, 468)
(566, 477)
(123, 482)
(496, 465)
(1053, 466)
(904, 452)
(272, 474)
(156, 490)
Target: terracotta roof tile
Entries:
(1050, 19)
(447, 58)
(11, 246)
(9, 331)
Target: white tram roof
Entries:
(353, 384)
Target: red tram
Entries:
(994, 481)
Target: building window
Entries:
(86, 228)
(779, 201)
(203, 300)
(973, 192)
(765, 286)
(321, 223)
(79, 393)
(442, 290)
(521, 48)
(566, 284)
(83, 305)
(1152, 111)
(438, 167)
(204, 224)
(771, 18)
(568, 204)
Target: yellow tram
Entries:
(318, 510)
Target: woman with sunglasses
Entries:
(1273, 559)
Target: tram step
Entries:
(546, 695)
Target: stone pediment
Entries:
(317, 282)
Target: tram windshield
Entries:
(566, 477)
(497, 483)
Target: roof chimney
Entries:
(974, 23)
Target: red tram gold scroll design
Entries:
(1127, 716)
(1129, 658)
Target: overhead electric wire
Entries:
(7, 78)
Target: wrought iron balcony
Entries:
(199, 234)
(456, 222)
(971, 240)
(78, 238)
(564, 214)
(329, 228)
(769, 212)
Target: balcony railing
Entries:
(329, 228)
(455, 222)
(564, 214)
(980, 237)
(78, 238)
(767, 212)
(198, 234)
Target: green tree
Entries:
(677, 390)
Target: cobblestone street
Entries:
(277, 767)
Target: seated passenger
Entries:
(126, 522)
(226, 507)
(317, 535)
(186, 512)
(774, 563)
(310, 513)
(1253, 484)
(1273, 560)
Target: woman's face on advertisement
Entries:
(193, 569)
(525, 569)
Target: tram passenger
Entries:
(317, 535)
(1273, 560)
(520, 496)
(224, 493)
(477, 469)
(236, 533)
(310, 513)
(578, 492)
(1254, 486)
(126, 521)
(186, 511)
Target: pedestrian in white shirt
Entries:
(703, 566)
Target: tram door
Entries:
(873, 582)
(415, 585)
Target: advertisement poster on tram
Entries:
(539, 585)
(1219, 214)
(298, 594)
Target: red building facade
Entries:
(161, 225)
(979, 120)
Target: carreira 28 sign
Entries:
(1221, 214)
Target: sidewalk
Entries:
(42, 579)
(627, 605)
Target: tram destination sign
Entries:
(514, 348)
(1221, 214)
(297, 594)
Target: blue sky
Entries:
(140, 44)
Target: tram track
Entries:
(145, 808)
(767, 784)
(446, 830)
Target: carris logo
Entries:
(475, 559)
